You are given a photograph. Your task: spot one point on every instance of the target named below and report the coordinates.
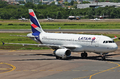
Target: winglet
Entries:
(115, 37)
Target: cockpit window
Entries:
(108, 41)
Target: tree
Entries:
(41, 16)
(21, 2)
(85, 2)
(29, 5)
(72, 2)
(72, 13)
(11, 7)
(3, 4)
(90, 13)
(53, 3)
(40, 3)
(66, 3)
(59, 15)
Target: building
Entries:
(33, 1)
(19, 0)
(48, 1)
(98, 4)
(11, 2)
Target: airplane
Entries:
(24, 19)
(63, 43)
(49, 19)
(96, 19)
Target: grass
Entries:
(6, 37)
(63, 25)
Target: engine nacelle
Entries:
(64, 53)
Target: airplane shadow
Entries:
(37, 55)
(71, 58)
(108, 58)
(33, 59)
(36, 59)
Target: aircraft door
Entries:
(95, 42)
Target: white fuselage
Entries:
(82, 42)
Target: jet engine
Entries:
(62, 53)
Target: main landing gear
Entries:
(84, 55)
(57, 57)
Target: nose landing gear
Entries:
(103, 56)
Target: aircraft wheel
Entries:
(85, 54)
(103, 58)
(82, 55)
(57, 57)
(60, 57)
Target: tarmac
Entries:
(42, 64)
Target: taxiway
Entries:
(42, 64)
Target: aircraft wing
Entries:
(48, 45)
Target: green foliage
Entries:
(3, 4)
(109, 0)
(66, 3)
(53, 3)
(85, 2)
(72, 2)
(54, 11)
(30, 5)
(59, 15)
(21, 2)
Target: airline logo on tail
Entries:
(32, 14)
(36, 28)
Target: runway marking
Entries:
(110, 69)
(84, 70)
(33, 70)
(76, 70)
(105, 70)
(5, 68)
(25, 70)
(10, 69)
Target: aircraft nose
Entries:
(114, 47)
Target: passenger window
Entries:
(110, 41)
(106, 41)
(103, 41)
